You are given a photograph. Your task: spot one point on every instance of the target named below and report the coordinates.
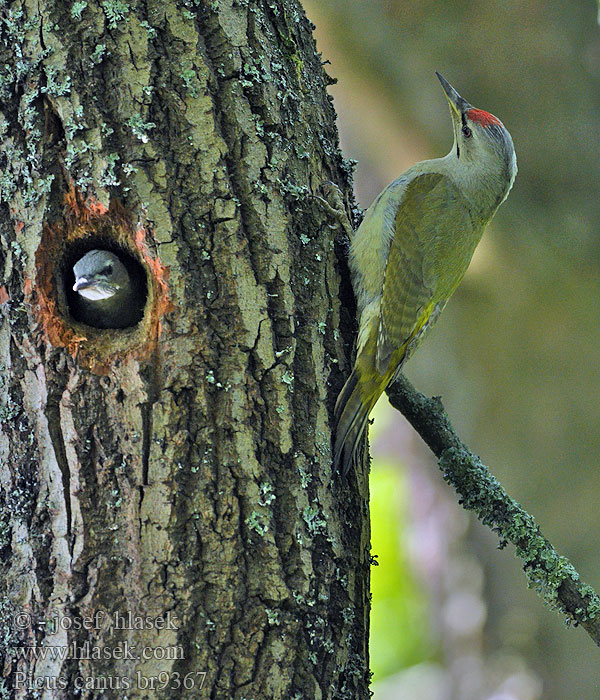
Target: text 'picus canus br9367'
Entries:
(412, 250)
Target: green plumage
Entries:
(434, 242)
(411, 252)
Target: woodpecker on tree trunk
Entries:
(411, 251)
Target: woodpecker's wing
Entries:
(423, 269)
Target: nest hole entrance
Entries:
(124, 308)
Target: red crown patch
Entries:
(484, 118)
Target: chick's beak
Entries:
(81, 283)
(458, 105)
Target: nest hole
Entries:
(122, 315)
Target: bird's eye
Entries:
(467, 133)
(106, 271)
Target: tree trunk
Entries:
(170, 520)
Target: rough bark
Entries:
(179, 470)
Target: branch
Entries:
(553, 576)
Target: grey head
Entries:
(483, 154)
(99, 274)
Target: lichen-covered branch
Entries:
(551, 575)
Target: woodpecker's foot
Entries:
(333, 203)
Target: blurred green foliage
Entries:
(400, 626)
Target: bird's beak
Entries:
(458, 105)
(81, 283)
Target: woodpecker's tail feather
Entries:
(353, 406)
(351, 415)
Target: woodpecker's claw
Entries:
(334, 206)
